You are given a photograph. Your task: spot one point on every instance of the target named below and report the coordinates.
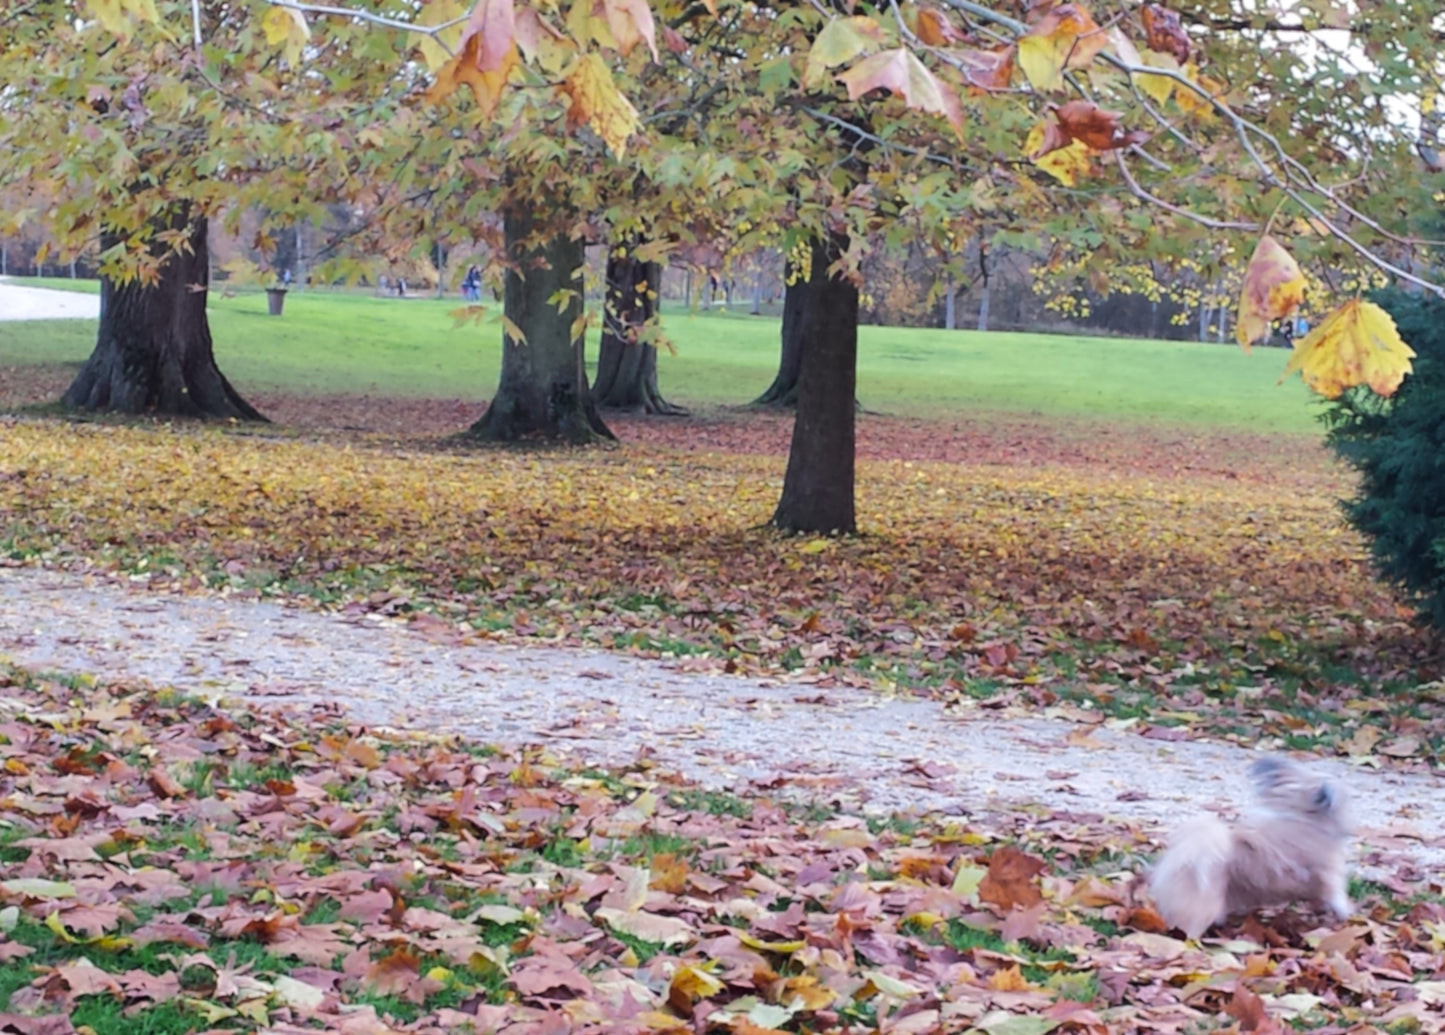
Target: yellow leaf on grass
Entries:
(1357, 344)
(1273, 287)
(841, 40)
(597, 102)
(1066, 38)
(690, 982)
(1066, 164)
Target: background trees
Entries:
(1088, 134)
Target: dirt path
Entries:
(846, 747)
(29, 303)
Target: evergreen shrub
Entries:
(1398, 446)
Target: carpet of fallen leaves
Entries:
(1193, 582)
(167, 865)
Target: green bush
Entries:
(1398, 446)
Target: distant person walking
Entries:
(472, 285)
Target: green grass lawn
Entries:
(348, 343)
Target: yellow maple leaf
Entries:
(436, 49)
(839, 42)
(1357, 344)
(597, 102)
(1066, 164)
(1065, 38)
(1190, 101)
(286, 27)
(1159, 87)
(1273, 288)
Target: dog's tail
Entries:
(1190, 882)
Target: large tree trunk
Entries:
(543, 391)
(818, 486)
(627, 366)
(784, 389)
(153, 351)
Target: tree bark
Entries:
(784, 389)
(543, 390)
(153, 352)
(626, 365)
(818, 486)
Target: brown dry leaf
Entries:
(986, 70)
(1273, 288)
(1099, 129)
(1165, 32)
(1012, 879)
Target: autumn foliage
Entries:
(1208, 583)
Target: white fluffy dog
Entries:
(1289, 845)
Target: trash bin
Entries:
(275, 300)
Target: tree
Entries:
(818, 484)
(543, 389)
(153, 351)
(143, 119)
(1396, 445)
(784, 389)
(626, 358)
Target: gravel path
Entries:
(844, 746)
(29, 303)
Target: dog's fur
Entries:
(1289, 845)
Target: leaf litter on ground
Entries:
(172, 865)
(1190, 583)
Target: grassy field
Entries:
(334, 343)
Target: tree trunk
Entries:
(983, 305)
(818, 486)
(543, 389)
(784, 389)
(950, 307)
(626, 365)
(153, 351)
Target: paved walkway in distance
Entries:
(32, 303)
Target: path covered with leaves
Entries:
(186, 867)
(170, 866)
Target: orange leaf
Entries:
(1065, 38)
(1012, 879)
(934, 28)
(986, 69)
(463, 69)
(1273, 287)
(901, 73)
(1100, 129)
(1164, 32)
(1357, 344)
